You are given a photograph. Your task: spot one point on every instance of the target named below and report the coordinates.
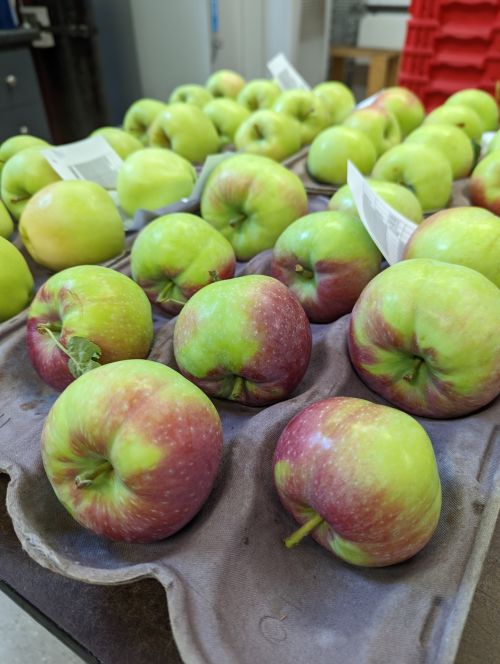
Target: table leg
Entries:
(392, 70)
(377, 71)
(337, 68)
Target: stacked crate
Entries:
(451, 45)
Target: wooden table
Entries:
(128, 624)
(382, 65)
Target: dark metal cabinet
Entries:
(21, 104)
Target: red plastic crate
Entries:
(461, 44)
(420, 33)
(456, 11)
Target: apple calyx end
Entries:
(304, 272)
(214, 275)
(305, 529)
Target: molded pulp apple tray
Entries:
(235, 594)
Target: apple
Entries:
(176, 255)
(132, 450)
(337, 98)
(480, 101)
(333, 148)
(379, 125)
(325, 259)
(22, 176)
(152, 178)
(16, 282)
(6, 223)
(405, 105)
(190, 94)
(484, 187)
(226, 115)
(83, 317)
(307, 108)
(463, 117)
(467, 236)
(494, 144)
(424, 170)
(451, 141)
(139, 117)
(360, 478)
(72, 222)
(225, 83)
(270, 134)
(15, 144)
(246, 340)
(259, 94)
(424, 335)
(251, 200)
(122, 142)
(186, 130)
(398, 197)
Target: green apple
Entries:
(23, 175)
(186, 130)
(15, 144)
(484, 186)
(246, 340)
(176, 255)
(72, 222)
(451, 141)
(225, 83)
(251, 200)
(259, 94)
(190, 94)
(122, 142)
(132, 451)
(424, 170)
(424, 335)
(270, 134)
(139, 117)
(333, 148)
(398, 197)
(461, 116)
(83, 317)
(325, 259)
(361, 479)
(152, 178)
(480, 101)
(226, 116)
(378, 124)
(467, 236)
(337, 98)
(405, 105)
(16, 282)
(6, 223)
(307, 108)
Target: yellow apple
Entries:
(16, 282)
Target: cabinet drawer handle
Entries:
(11, 80)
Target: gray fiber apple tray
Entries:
(235, 594)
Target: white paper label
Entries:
(91, 159)
(388, 228)
(486, 139)
(287, 77)
(368, 101)
(211, 162)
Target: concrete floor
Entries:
(24, 641)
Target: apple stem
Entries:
(172, 300)
(307, 274)
(306, 115)
(238, 388)
(18, 199)
(411, 375)
(45, 328)
(257, 130)
(87, 478)
(307, 527)
(236, 220)
(165, 292)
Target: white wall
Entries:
(172, 40)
